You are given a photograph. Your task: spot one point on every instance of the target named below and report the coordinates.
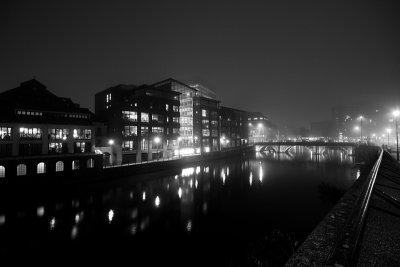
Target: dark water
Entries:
(234, 212)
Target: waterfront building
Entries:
(189, 141)
(234, 129)
(205, 91)
(142, 122)
(258, 126)
(206, 119)
(43, 134)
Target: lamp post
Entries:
(395, 114)
(179, 146)
(111, 143)
(388, 132)
(361, 118)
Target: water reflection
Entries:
(229, 209)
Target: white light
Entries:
(260, 125)
(189, 226)
(261, 173)
(144, 196)
(157, 140)
(110, 216)
(74, 232)
(2, 219)
(388, 130)
(180, 192)
(396, 113)
(40, 211)
(196, 183)
(111, 142)
(197, 169)
(251, 178)
(52, 223)
(157, 201)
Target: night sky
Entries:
(292, 60)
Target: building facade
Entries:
(142, 122)
(41, 133)
(258, 127)
(234, 130)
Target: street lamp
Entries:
(179, 146)
(388, 132)
(157, 141)
(361, 118)
(395, 114)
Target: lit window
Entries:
(204, 113)
(130, 130)
(166, 107)
(21, 170)
(129, 115)
(2, 171)
(90, 163)
(41, 168)
(175, 108)
(59, 166)
(144, 117)
(75, 164)
(5, 133)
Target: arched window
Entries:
(90, 163)
(2, 172)
(75, 164)
(41, 168)
(59, 166)
(21, 169)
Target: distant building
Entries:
(142, 122)
(234, 129)
(258, 126)
(43, 134)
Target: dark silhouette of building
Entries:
(42, 134)
(234, 128)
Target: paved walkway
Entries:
(380, 244)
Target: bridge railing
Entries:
(345, 251)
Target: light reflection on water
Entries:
(228, 201)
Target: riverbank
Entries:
(118, 172)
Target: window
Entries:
(2, 172)
(154, 117)
(129, 131)
(175, 108)
(90, 163)
(214, 124)
(58, 134)
(144, 117)
(21, 170)
(214, 132)
(205, 123)
(157, 129)
(108, 97)
(214, 115)
(144, 130)
(127, 145)
(57, 148)
(30, 133)
(175, 130)
(206, 132)
(82, 134)
(30, 149)
(129, 115)
(204, 113)
(5, 133)
(166, 107)
(59, 166)
(41, 168)
(80, 147)
(175, 119)
(75, 164)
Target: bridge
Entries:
(316, 147)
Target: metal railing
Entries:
(346, 249)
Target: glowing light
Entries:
(133, 229)
(157, 139)
(251, 178)
(74, 232)
(189, 226)
(227, 171)
(196, 183)
(396, 113)
(197, 169)
(191, 183)
(187, 172)
(40, 211)
(261, 173)
(110, 216)
(144, 195)
(260, 125)
(157, 202)
(2, 219)
(180, 192)
(223, 176)
(134, 213)
(111, 142)
(52, 223)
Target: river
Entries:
(251, 211)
